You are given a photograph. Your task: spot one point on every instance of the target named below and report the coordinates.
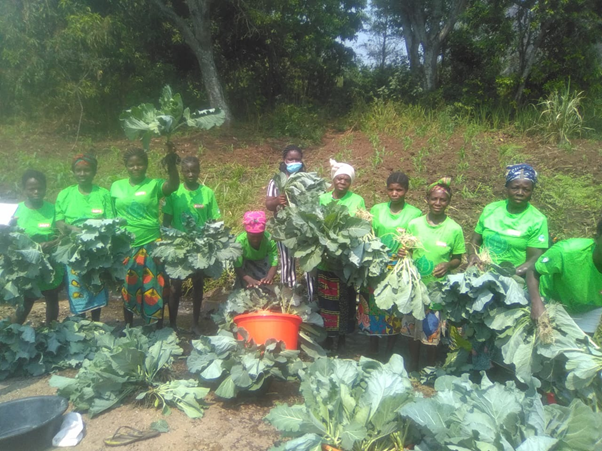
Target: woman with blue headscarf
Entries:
(512, 230)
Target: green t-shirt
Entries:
(139, 206)
(39, 224)
(267, 248)
(200, 204)
(385, 223)
(74, 208)
(351, 200)
(569, 276)
(439, 241)
(507, 236)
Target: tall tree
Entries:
(195, 28)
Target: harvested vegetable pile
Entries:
(328, 234)
(240, 366)
(135, 366)
(207, 249)
(493, 311)
(22, 266)
(32, 352)
(96, 253)
(401, 288)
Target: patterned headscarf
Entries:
(521, 171)
(443, 184)
(337, 168)
(254, 221)
(84, 158)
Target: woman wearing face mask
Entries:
(337, 299)
(292, 163)
(75, 205)
(37, 218)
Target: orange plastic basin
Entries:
(262, 326)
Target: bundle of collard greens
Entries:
(553, 353)
(280, 300)
(97, 252)
(23, 265)
(348, 405)
(241, 366)
(463, 416)
(32, 352)
(328, 234)
(207, 249)
(301, 187)
(135, 365)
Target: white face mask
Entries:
(293, 167)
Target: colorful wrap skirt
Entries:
(81, 299)
(142, 291)
(337, 302)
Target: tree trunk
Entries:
(529, 60)
(431, 55)
(199, 40)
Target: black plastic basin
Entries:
(28, 424)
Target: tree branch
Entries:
(180, 23)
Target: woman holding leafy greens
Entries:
(258, 263)
(440, 251)
(292, 163)
(136, 199)
(196, 202)
(37, 218)
(512, 230)
(387, 217)
(337, 299)
(74, 205)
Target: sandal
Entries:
(125, 438)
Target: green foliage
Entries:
(300, 188)
(145, 121)
(349, 405)
(294, 121)
(240, 366)
(32, 352)
(137, 366)
(493, 417)
(207, 249)
(560, 118)
(97, 252)
(23, 265)
(328, 234)
(553, 353)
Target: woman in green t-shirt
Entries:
(258, 263)
(387, 217)
(513, 231)
(336, 298)
(441, 248)
(195, 201)
(75, 205)
(136, 199)
(37, 218)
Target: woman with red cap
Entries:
(75, 205)
(259, 261)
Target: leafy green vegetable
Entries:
(300, 188)
(241, 366)
(97, 253)
(490, 416)
(328, 234)
(22, 266)
(132, 366)
(32, 352)
(145, 121)
(349, 405)
(207, 249)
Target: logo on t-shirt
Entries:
(545, 260)
(97, 211)
(441, 244)
(541, 238)
(140, 193)
(199, 206)
(43, 225)
(513, 232)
